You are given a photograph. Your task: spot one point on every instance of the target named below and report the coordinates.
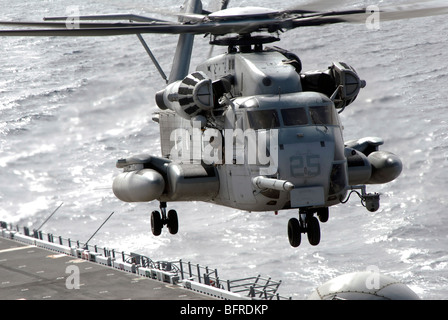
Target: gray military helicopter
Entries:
(248, 129)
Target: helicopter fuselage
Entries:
(268, 133)
(248, 130)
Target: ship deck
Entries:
(32, 273)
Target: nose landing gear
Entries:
(159, 219)
(307, 223)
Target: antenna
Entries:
(85, 246)
(50, 216)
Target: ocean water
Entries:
(69, 108)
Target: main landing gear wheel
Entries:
(173, 223)
(158, 220)
(156, 223)
(313, 231)
(308, 224)
(294, 232)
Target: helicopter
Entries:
(248, 129)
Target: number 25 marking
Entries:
(305, 165)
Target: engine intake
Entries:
(188, 97)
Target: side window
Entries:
(263, 119)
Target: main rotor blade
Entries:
(93, 32)
(113, 30)
(360, 16)
(394, 13)
(330, 13)
(387, 13)
(221, 27)
(316, 21)
(215, 28)
(118, 16)
(83, 25)
(318, 5)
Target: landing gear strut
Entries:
(159, 219)
(307, 223)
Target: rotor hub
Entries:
(244, 42)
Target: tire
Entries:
(313, 231)
(156, 223)
(294, 234)
(323, 214)
(173, 222)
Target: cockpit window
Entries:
(323, 115)
(263, 119)
(294, 117)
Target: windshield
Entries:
(323, 115)
(294, 117)
(300, 116)
(263, 119)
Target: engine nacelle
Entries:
(340, 82)
(188, 97)
(386, 166)
(348, 82)
(147, 178)
(138, 186)
(367, 165)
(191, 182)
